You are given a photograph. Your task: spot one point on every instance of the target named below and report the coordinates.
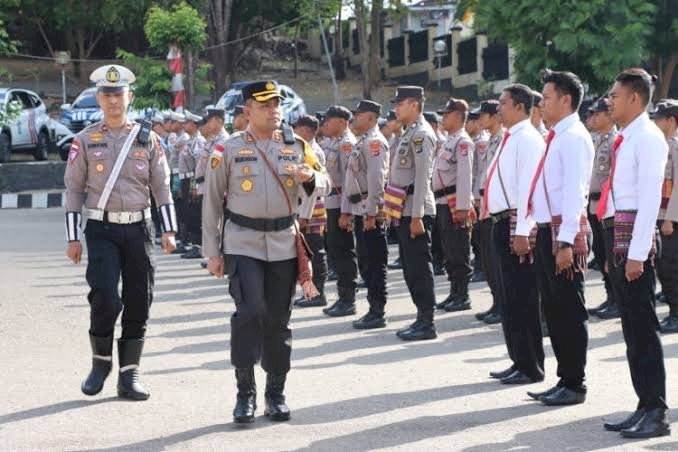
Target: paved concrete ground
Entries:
(348, 390)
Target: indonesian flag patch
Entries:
(74, 152)
(375, 147)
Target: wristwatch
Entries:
(563, 245)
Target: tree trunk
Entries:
(667, 76)
(296, 49)
(338, 59)
(375, 43)
(190, 82)
(220, 11)
(361, 23)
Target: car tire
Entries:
(5, 148)
(41, 151)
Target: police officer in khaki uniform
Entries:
(604, 134)
(436, 248)
(453, 190)
(363, 198)
(112, 192)
(340, 242)
(262, 176)
(395, 127)
(191, 208)
(313, 218)
(490, 121)
(665, 116)
(480, 139)
(411, 174)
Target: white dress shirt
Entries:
(567, 176)
(638, 179)
(518, 164)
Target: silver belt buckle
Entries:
(124, 217)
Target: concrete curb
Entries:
(32, 200)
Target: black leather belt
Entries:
(451, 190)
(261, 224)
(335, 192)
(356, 198)
(503, 215)
(607, 223)
(543, 225)
(594, 196)
(199, 180)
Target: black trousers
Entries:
(489, 261)
(263, 293)
(182, 206)
(155, 215)
(640, 326)
(598, 248)
(564, 308)
(437, 253)
(456, 245)
(341, 245)
(117, 251)
(376, 271)
(360, 247)
(519, 298)
(415, 256)
(194, 219)
(476, 246)
(319, 261)
(667, 267)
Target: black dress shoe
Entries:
(319, 300)
(438, 270)
(481, 315)
(449, 299)
(493, 318)
(203, 264)
(600, 307)
(669, 324)
(341, 309)
(370, 321)
(652, 424)
(563, 396)
(181, 249)
(478, 277)
(538, 395)
(629, 422)
(458, 304)
(395, 265)
(193, 253)
(502, 374)
(610, 312)
(518, 378)
(419, 331)
(362, 284)
(593, 265)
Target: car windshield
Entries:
(86, 101)
(232, 100)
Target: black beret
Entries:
(337, 111)
(665, 108)
(307, 121)
(368, 106)
(454, 105)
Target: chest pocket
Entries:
(603, 163)
(246, 168)
(98, 165)
(404, 160)
(332, 159)
(137, 164)
(286, 173)
(354, 160)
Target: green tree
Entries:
(594, 39)
(153, 81)
(663, 45)
(183, 27)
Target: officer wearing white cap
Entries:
(113, 167)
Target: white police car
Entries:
(30, 132)
(292, 105)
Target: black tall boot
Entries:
(450, 298)
(421, 329)
(102, 361)
(129, 356)
(276, 408)
(344, 306)
(461, 302)
(246, 403)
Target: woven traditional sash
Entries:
(667, 188)
(623, 233)
(394, 202)
(318, 221)
(580, 247)
(513, 222)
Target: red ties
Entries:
(607, 185)
(540, 168)
(491, 172)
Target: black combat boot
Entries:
(450, 298)
(461, 302)
(344, 306)
(246, 404)
(129, 355)
(276, 409)
(319, 300)
(373, 319)
(670, 323)
(102, 361)
(421, 329)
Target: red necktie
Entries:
(606, 188)
(540, 168)
(490, 173)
